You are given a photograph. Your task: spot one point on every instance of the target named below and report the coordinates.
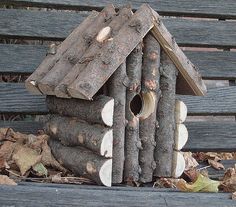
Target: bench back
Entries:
(206, 30)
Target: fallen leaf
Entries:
(40, 170)
(190, 162)
(233, 196)
(213, 155)
(5, 180)
(202, 184)
(6, 150)
(192, 174)
(216, 165)
(25, 158)
(228, 183)
(165, 183)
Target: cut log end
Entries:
(148, 105)
(180, 111)
(105, 173)
(178, 165)
(104, 34)
(181, 136)
(107, 113)
(107, 144)
(32, 87)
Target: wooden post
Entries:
(117, 90)
(112, 55)
(107, 32)
(98, 111)
(166, 119)
(132, 141)
(150, 85)
(83, 162)
(75, 52)
(73, 132)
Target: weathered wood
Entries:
(98, 111)
(43, 194)
(150, 84)
(117, 90)
(48, 25)
(75, 51)
(93, 51)
(187, 70)
(133, 144)
(112, 55)
(25, 58)
(83, 162)
(32, 82)
(166, 118)
(207, 8)
(73, 132)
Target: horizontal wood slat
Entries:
(24, 59)
(203, 136)
(206, 8)
(41, 195)
(219, 101)
(57, 26)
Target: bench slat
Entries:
(57, 26)
(219, 101)
(203, 136)
(206, 8)
(41, 195)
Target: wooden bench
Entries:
(209, 42)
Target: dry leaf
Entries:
(192, 174)
(216, 165)
(165, 183)
(6, 150)
(229, 181)
(40, 170)
(202, 184)
(25, 158)
(213, 156)
(233, 196)
(190, 162)
(4, 180)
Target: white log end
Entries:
(178, 164)
(107, 113)
(181, 136)
(107, 144)
(104, 34)
(180, 111)
(105, 173)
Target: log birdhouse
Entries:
(111, 87)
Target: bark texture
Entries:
(72, 132)
(32, 82)
(132, 141)
(117, 90)
(166, 118)
(112, 55)
(150, 84)
(75, 51)
(83, 162)
(91, 111)
(92, 52)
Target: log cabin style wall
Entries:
(131, 130)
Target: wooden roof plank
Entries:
(113, 53)
(187, 70)
(207, 8)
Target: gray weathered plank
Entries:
(203, 136)
(23, 59)
(218, 101)
(53, 196)
(57, 26)
(211, 136)
(15, 99)
(206, 8)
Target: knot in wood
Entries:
(150, 84)
(88, 39)
(52, 50)
(72, 59)
(152, 56)
(139, 145)
(153, 165)
(85, 86)
(136, 24)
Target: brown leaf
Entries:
(229, 181)
(192, 174)
(190, 162)
(233, 196)
(4, 180)
(6, 150)
(25, 158)
(216, 165)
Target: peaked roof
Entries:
(95, 70)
